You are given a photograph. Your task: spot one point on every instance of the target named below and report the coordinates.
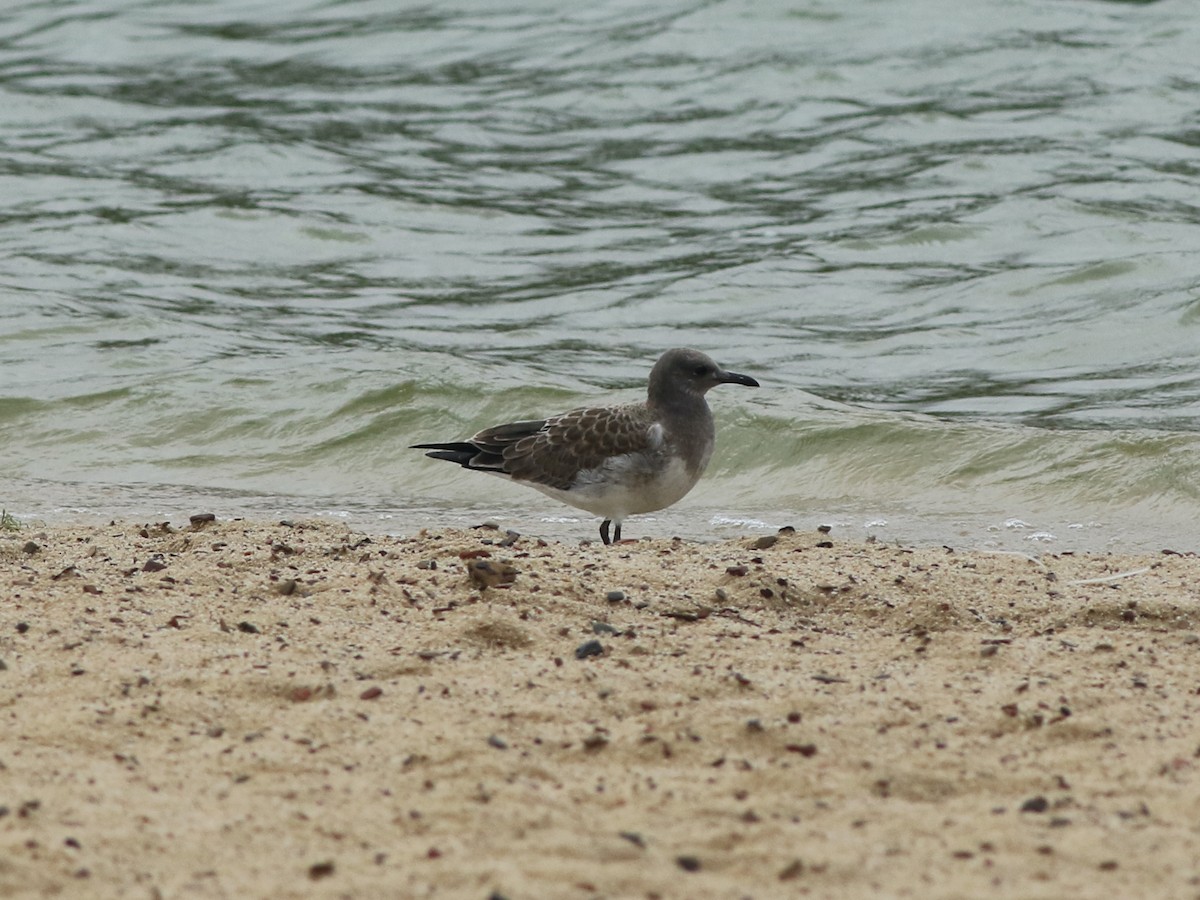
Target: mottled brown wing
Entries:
(564, 445)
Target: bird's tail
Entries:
(469, 456)
(459, 452)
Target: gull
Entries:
(612, 461)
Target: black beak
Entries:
(735, 378)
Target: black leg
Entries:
(617, 533)
(604, 532)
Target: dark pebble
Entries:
(153, 564)
(736, 571)
(498, 742)
(595, 741)
(688, 863)
(320, 870)
(794, 869)
(486, 573)
(371, 693)
(201, 519)
(824, 545)
(30, 547)
(22, 627)
(248, 628)
(634, 838)
(766, 542)
(589, 648)
(788, 529)
(603, 628)
(614, 596)
(824, 529)
(1035, 805)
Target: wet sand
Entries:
(239, 709)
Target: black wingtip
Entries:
(459, 452)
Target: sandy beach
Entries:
(241, 709)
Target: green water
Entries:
(253, 251)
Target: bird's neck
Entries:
(688, 423)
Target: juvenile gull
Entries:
(613, 461)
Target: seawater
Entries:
(254, 250)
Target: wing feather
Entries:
(552, 452)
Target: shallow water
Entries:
(253, 251)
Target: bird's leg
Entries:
(604, 532)
(617, 533)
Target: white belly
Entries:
(627, 486)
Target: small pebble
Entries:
(603, 628)
(497, 742)
(320, 870)
(688, 863)
(248, 628)
(30, 547)
(614, 596)
(488, 573)
(589, 648)
(595, 741)
(722, 595)
(824, 529)
(766, 542)
(201, 519)
(794, 869)
(1035, 805)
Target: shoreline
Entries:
(251, 709)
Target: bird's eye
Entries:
(701, 370)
